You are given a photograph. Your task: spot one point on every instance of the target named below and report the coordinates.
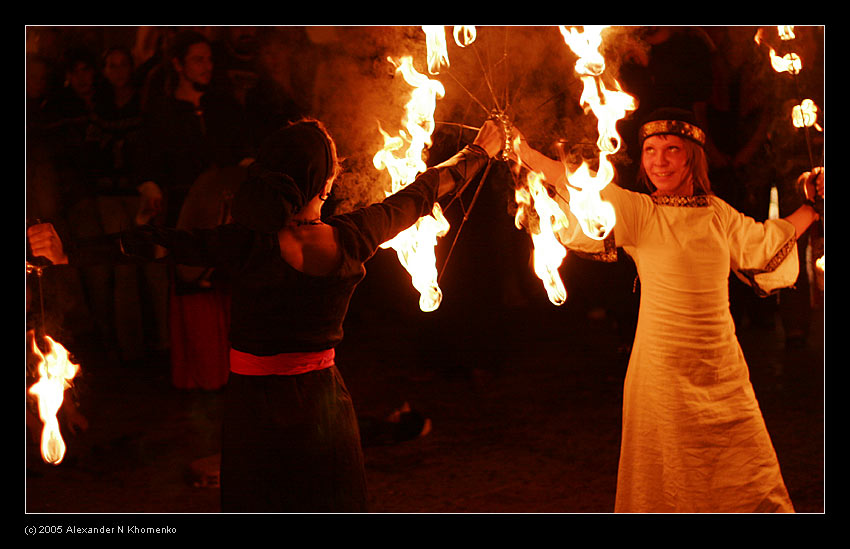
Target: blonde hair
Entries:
(697, 164)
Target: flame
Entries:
(805, 115)
(464, 35)
(790, 62)
(786, 32)
(543, 218)
(435, 41)
(586, 45)
(596, 216)
(55, 371)
(402, 157)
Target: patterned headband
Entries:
(675, 127)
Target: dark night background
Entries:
(523, 396)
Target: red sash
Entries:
(284, 364)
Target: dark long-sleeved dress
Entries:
(291, 442)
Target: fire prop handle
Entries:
(38, 269)
(55, 371)
(502, 117)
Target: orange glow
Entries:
(790, 62)
(805, 115)
(402, 157)
(438, 55)
(586, 45)
(786, 32)
(596, 216)
(464, 35)
(55, 371)
(541, 216)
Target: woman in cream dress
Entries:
(693, 436)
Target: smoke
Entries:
(528, 72)
(356, 91)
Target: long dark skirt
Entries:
(291, 444)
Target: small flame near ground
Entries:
(55, 371)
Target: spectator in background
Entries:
(75, 155)
(188, 131)
(789, 157)
(737, 117)
(195, 147)
(42, 191)
(64, 300)
(151, 50)
(236, 61)
(278, 97)
(137, 294)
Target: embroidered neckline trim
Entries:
(696, 201)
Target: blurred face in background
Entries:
(118, 68)
(197, 66)
(81, 78)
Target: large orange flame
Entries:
(402, 157)
(435, 41)
(596, 216)
(55, 371)
(541, 216)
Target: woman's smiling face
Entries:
(665, 160)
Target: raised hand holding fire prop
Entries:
(402, 157)
(803, 115)
(533, 196)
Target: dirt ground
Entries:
(527, 425)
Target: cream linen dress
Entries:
(693, 437)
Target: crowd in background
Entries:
(105, 118)
(113, 140)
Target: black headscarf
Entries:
(292, 167)
(672, 121)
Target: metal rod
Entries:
(805, 126)
(465, 217)
(486, 76)
(469, 93)
(41, 329)
(462, 126)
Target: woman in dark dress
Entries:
(290, 437)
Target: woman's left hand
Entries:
(491, 137)
(819, 184)
(45, 242)
(812, 183)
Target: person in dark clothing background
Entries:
(187, 132)
(290, 439)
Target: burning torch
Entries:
(803, 115)
(55, 370)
